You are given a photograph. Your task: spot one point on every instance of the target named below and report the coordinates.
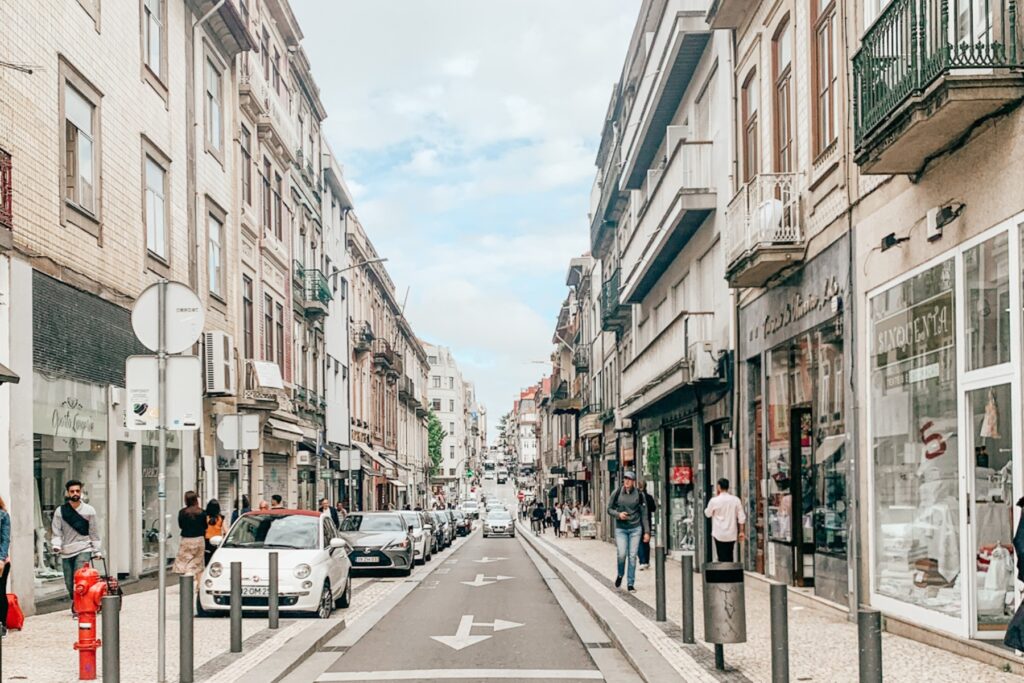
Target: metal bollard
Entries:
(688, 635)
(273, 599)
(110, 612)
(659, 583)
(780, 632)
(869, 641)
(186, 661)
(236, 606)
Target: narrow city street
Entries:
(488, 611)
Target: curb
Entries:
(290, 654)
(634, 646)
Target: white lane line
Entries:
(469, 674)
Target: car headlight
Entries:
(215, 570)
(398, 545)
(301, 571)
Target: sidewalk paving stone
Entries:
(823, 642)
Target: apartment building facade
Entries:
(447, 396)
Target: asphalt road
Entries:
(487, 613)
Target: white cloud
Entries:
(423, 162)
(462, 66)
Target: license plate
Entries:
(367, 560)
(255, 591)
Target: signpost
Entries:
(167, 318)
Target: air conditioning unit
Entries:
(703, 360)
(218, 357)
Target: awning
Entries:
(828, 448)
(372, 454)
(395, 482)
(286, 431)
(7, 375)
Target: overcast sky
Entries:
(468, 130)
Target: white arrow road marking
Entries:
(486, 560)
(482, 580)
(463, 639)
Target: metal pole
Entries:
(869, 641)
(272, 599)
(240, 456)
(659, 579)
(662, 536)
(161, 483)
(687, 571)
(236, 606)
(719, 657)
(111, 613)
(186, 660)
(780, 632)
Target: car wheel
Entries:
(485, 534)
(346, 597)
(326, 606)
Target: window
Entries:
(278, 227)
(436, 381)
(435, 404)
(279, 318)
(155, 201)
(451, 405)
(80, 151)
(267, 195)
(276, 66)
(245, 144)
(825, 75)
(215, 254)
(782, 49)
(451, 453)
(268, 328)
(749, 98)
(247, 318)
(451, 470)
(154, 49)
(451, 427)
(432, 360)
(265, 54)
(6, 203)
(451, 382)
(213, 111)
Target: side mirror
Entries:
(217, 540)
(337, 543)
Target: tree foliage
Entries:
(435, 439)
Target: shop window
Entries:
(987, 302)
(681, 523)
(914, 441)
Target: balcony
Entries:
(926, 72)
(581, 357)
(406, 390)
(764, 230)
(679, 198)
(615, 315)
(252, 89)
(727, 14)
(316, 293)
(274, 126)
(362, 336)
(298, 274)
(383, 355)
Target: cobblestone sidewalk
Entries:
(823, 644)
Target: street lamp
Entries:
(338, 271)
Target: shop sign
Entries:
(68, 409)
(920, 329)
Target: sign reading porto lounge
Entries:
(68, 409)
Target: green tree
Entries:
(435, 439)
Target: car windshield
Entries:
(274, 531)
(500, 514)
(412, 519)
(469, 504)
(357, 522)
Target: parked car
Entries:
(488, 475)
(437, 532)
(463, 523)
(422, 534)
(379, 540)
(447, 532)
(499, 522)
(313, 564)
(471, 508)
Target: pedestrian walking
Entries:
(644, 554)
(340, 509)
(565, 521)
(5, 558)
(628, 508)
(575, 520)
(727, 520)
(264, 506)
(192, 549)
(244, 507)
(538, 518)
(214, 527)
(548, 519)
(326, 509)
(276, 502)
(74, 534)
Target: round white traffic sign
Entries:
(183, 317)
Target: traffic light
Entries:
(469, 474)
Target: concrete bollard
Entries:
(869, 642)
(780, 632)
(186, 659)
(273, 600)
(687, 571)
(236, 606)
(110, 612)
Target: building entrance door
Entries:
(802, 501)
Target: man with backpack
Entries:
(628, 507)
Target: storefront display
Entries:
(151, 500)
(681, 520)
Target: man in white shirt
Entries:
(727, 520)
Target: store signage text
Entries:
(920, 329)
(69, 419)
(799, 306)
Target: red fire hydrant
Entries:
(89, 591)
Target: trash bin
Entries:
(725, 609)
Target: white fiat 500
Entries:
(312, 561)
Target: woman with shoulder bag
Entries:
(5, 558)
(214, 526)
